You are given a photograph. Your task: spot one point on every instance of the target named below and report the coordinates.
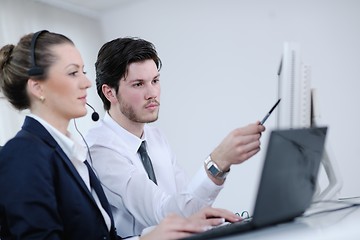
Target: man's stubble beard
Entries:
(128, 111)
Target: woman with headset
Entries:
(47, 188)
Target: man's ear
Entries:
(109, 93)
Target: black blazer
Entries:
(42, 196)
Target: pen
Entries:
(267, 115)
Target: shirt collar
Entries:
(131, 140)
(72, 148)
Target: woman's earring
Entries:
(42, 98)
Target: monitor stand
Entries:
(328, 161)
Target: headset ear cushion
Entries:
(35, 71)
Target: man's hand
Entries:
(238, 146)
(175, 227)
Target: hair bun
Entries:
(5, 55)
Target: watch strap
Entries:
(214, 169)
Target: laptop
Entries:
(287, 184)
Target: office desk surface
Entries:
(341, 224)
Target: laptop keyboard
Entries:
(226, 228)
(245, 220)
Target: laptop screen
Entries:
(289, 174)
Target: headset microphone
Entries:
(94, 115)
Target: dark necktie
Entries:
(147, 162)
(96, 185)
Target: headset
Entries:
(37, 70)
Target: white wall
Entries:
(220, 63)
(19, 17)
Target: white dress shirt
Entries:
(136, 201)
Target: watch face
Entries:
(212, 169)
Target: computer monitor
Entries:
(293, 89)
(299, 108)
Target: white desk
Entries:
(342, 224)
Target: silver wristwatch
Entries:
(214, 170)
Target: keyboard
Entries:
(223, 230)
